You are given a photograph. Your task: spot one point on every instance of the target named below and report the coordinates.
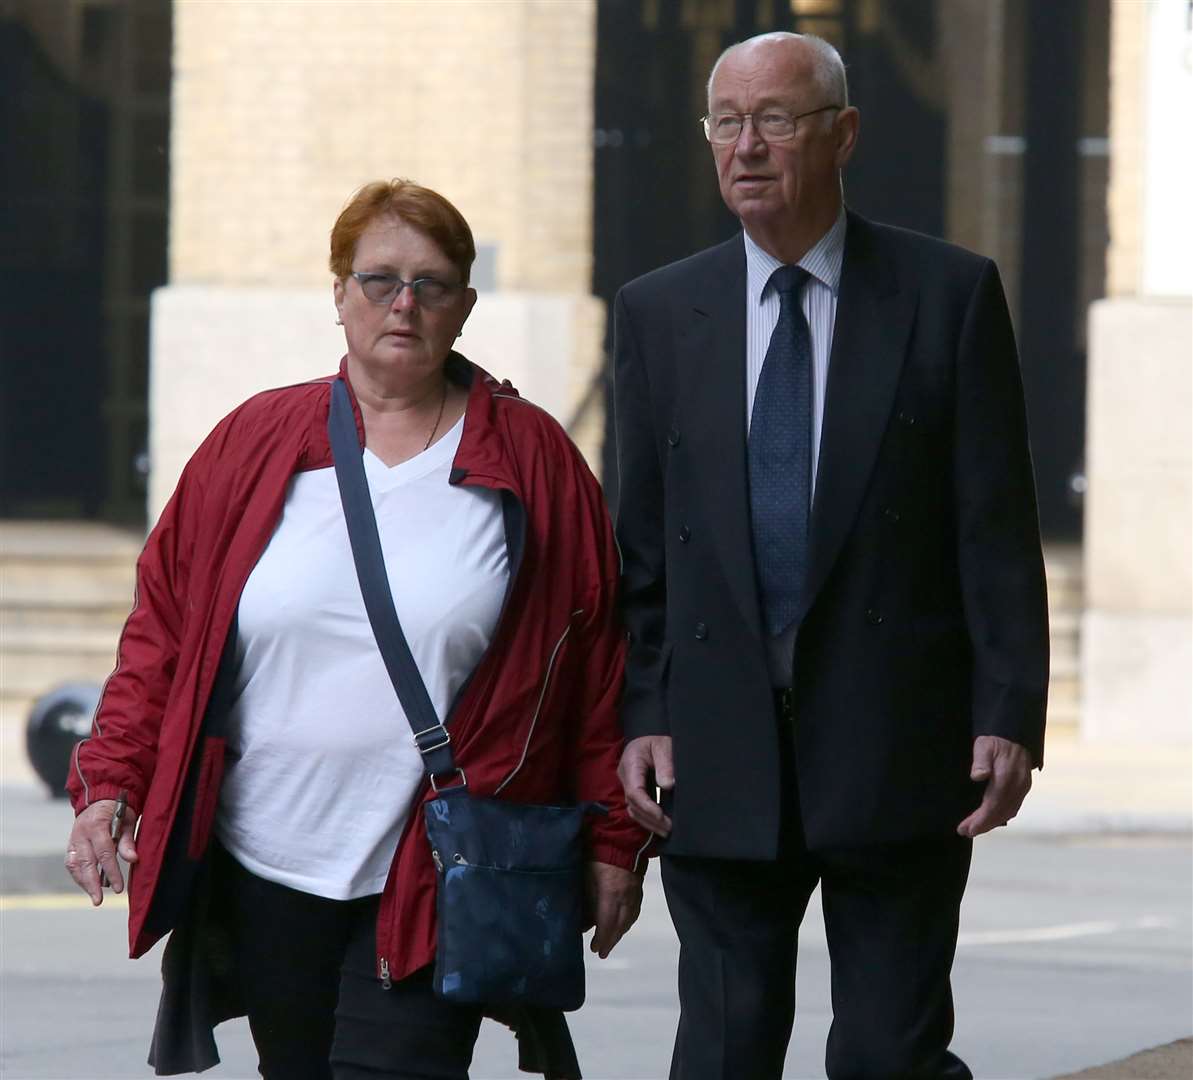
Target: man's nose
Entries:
(749, 142)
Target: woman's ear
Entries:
(337, 292)
(469, 304)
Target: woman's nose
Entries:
(404, 300)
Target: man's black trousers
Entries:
(891, 917)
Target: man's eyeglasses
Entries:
(774, 125)
(428, 292)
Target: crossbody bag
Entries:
(510, 899)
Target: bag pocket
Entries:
(510, 936)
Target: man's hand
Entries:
(91, 848)
(647, 761)
(614, 900)
(1006, 768)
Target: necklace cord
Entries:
(442, 403)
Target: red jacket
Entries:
(547, 688)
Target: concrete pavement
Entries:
(1076, 945)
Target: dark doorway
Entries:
(84, 107)
(1050, 340)
(656, 198)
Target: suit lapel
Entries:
(712, 418)
(874, 318)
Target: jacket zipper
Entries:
(539, 706)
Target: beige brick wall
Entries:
(283, 107)
(1128, 137)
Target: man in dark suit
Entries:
(833, 584)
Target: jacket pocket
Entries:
(207, 790)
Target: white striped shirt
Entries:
(819, 301)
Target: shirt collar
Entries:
(822, 260)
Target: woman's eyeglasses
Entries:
(428, 292)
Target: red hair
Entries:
(426, 210)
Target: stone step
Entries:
(1064, 572)
(1064, 664)
(74, 541)
(28, 583)
(1065, 624)
(1064, 692)
(1064, 721)
(30, 665)
(35, 640)
(62, 616)
(64, 587)
(1066, 651)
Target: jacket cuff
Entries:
(99, 792)
(644, 716)
(634, 861)
(1011, 714)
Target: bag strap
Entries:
(430, 736)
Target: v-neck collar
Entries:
(384, 477)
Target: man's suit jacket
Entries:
(924, 620)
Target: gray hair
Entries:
(828, 69)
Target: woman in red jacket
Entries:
(250, 725)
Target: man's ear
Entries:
(846, 131)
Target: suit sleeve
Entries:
(640, 534)
(998, 535)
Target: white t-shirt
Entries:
(322, 762)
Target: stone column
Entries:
(1137, 639)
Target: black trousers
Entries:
(307, 969)
(891, 917)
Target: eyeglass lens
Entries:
(383, 288)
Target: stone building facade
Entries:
(175, 166)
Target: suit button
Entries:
(685, 534)
(673, 436)
(701, 631)
(906, 418)
(874, 617)
(891, 514)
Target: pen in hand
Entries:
(117, 818)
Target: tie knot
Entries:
(789, 279)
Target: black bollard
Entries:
(57, 721)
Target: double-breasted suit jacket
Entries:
(924, 616)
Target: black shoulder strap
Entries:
(430, 736)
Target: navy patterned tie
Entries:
(780, 457)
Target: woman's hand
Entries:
(91, 849)
(614, 900)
